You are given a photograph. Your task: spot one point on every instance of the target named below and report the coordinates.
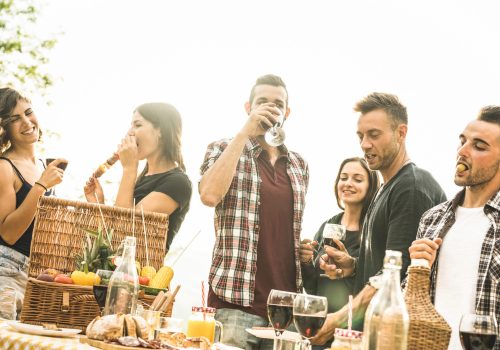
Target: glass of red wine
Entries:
(309, 314)
(331, 232)
(478, 332)
(280, 309)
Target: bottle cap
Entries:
(207, 309)
(346, 333)
(393, 259)
(420, 262)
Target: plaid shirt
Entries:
(436, 223)
(236, 221)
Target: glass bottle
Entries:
(386, 319)
(428, 329)
(124, 283)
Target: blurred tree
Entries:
(23, 47)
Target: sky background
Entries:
(440, 57)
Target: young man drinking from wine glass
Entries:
(391, 221)
(461, 238)
(258, 192)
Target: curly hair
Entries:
(9, 98)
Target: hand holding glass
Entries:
(275, 135)
(331, 232)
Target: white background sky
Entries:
(440, 57)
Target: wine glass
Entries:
(101, 290)
(275, 135)
(309, 314)
(331, 232)
(478, 332)
(280, 309)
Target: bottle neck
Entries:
(392, 276)
(129, 253)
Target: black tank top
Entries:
(23, 244)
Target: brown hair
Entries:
(373, 185)
(490, 114)
(165, 117)
(389, 103)
(268, 79)
(9, 98)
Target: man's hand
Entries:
(425, 249)
(306, 250)
(326, 332)
(337, 263)
(260, 119)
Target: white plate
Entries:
(38, 330)
(268, 333)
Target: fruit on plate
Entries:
(148, 271)
(162, 278)
(62, 278)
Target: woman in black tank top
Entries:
(162, 186)
(23, 179)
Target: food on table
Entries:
(45, 277)
(52, 272)
(129, 341)
(162, 278)
(63, 279)
(51, 327)
(148, 271)
(144, 280)
(83, 278)
(112, 327)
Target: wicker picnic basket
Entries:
(58, 236)
(428, 329)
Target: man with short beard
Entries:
(392, 219)
(461, 238)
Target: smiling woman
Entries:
(23, 179)
(162, 186)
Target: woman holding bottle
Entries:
(162, 186)
(355, 187)
(23, 180)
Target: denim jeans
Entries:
(235, 322)
(13, 275)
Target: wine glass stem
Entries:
(306, 344)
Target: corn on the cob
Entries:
(148, 271)
(162, 278)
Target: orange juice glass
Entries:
(202, 323)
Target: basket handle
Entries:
(65, 303)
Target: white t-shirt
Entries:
(458, 268)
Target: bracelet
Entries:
(39, 184)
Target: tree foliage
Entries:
(24, 48)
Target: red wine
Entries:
(100, 293)
(280, 316)
(308, 325)
(477, 341)
(330, 242)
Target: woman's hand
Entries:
(52, 175)
(93, 191)
(128, 153)
(337, 263)
(306, 250)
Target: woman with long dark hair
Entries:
(162, 186)
(355, 187)
(23, 180)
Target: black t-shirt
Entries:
(392, 219)
(175, 184)
(336, 291)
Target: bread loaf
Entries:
(109, 327)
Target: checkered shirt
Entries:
(236, 221)
(437, 221)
